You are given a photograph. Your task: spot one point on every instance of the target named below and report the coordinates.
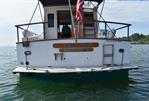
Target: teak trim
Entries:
(84, 49)
(72, 45)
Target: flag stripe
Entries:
(79, 10)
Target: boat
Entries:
(75, 40)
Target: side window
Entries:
(50, 20)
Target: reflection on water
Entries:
(30, 89)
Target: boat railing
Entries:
(24, 33)
(102, 29)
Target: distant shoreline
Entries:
(143, 43)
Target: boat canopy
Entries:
(62, 2)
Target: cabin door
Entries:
(63, 18)
(108, 53)
(89, 25)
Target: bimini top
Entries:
(62, 2)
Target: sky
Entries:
(12, 12)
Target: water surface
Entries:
(14, 88)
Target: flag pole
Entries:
(72, 19)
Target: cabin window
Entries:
(50, 20)
(89, 20)
(89, 25)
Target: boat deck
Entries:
(71, 70)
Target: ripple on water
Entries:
(13, 88)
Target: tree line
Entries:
(139, 38)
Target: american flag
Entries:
(79, 10)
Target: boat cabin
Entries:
(59, 16)
(58, 22)
(64, 42)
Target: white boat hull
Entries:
(57, 70)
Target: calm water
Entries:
(13, 88)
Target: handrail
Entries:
(85, 21)
(123, 25)
(31, 24)
(115, 22)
